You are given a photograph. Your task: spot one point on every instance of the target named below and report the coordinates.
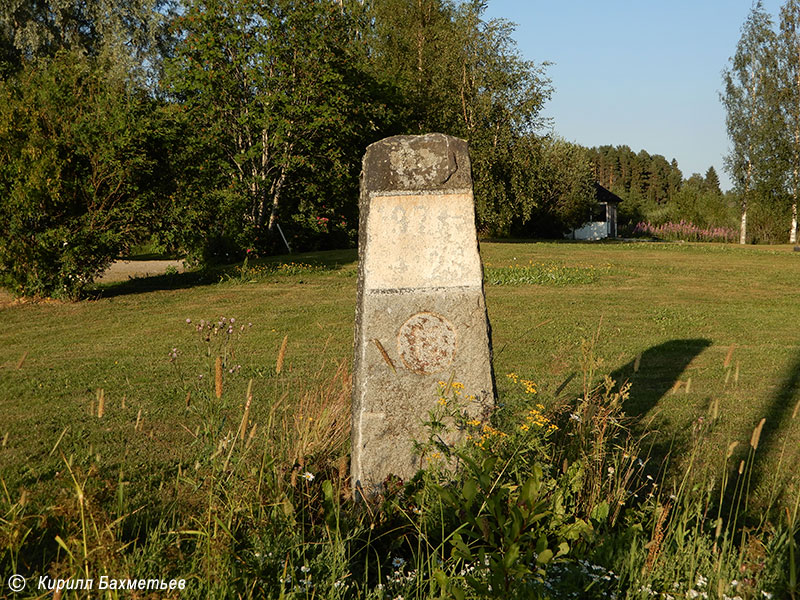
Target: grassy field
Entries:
(694, 328)
(722, 319)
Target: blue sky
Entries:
(646, 73)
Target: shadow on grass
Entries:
(652, 376)
(782, 409)
(656, 372)
(154, 283)
(328, 260)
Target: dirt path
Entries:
(122, 270)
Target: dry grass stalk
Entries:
(731, 448)
(281, 355)
(22, 360)
(137, 427)
(675, 387)
(736, 373)
(5, 439)
(637, 363)
(757, 434)
(101, 403)
(796, 409)
(688, 387)
(251, 436)
(319, 425)
(123, 402)
(714, 410)
(728, 356)
(188, 398)
(218, 377)
(58, 441)
(246, 415)
(658, 537)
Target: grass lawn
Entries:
(701, 323)
(113, 430)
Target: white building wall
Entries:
(596, 230)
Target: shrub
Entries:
(77, 170)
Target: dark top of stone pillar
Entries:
(417, 163)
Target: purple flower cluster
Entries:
(687, 231)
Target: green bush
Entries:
(78, 169)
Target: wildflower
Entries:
(524, 427)
(308, 476)
(610, 471)
(701, 581)
(575, 417)
(734, 584)
(766, 595)
(398, 562)
(188, 321)
(305, 569)
(442, 401)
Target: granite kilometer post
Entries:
(421, 313)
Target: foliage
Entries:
(279, 111)
(78, 173)
(459, 74)
(751, 103)
(128, 34)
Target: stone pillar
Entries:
(420, 314)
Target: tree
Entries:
(127, 32)
(750, 98)
(712, 181)
(566, 190)
(271, 90)
(79, 173)
(789, 44)
(459, 74)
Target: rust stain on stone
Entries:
(426, 343)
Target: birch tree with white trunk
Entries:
(748, 98)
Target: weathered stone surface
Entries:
(421, 315)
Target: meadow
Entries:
(196, 425)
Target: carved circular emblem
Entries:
(426, 343)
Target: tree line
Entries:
(207, 125)
(214, 128)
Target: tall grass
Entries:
(552, 498)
